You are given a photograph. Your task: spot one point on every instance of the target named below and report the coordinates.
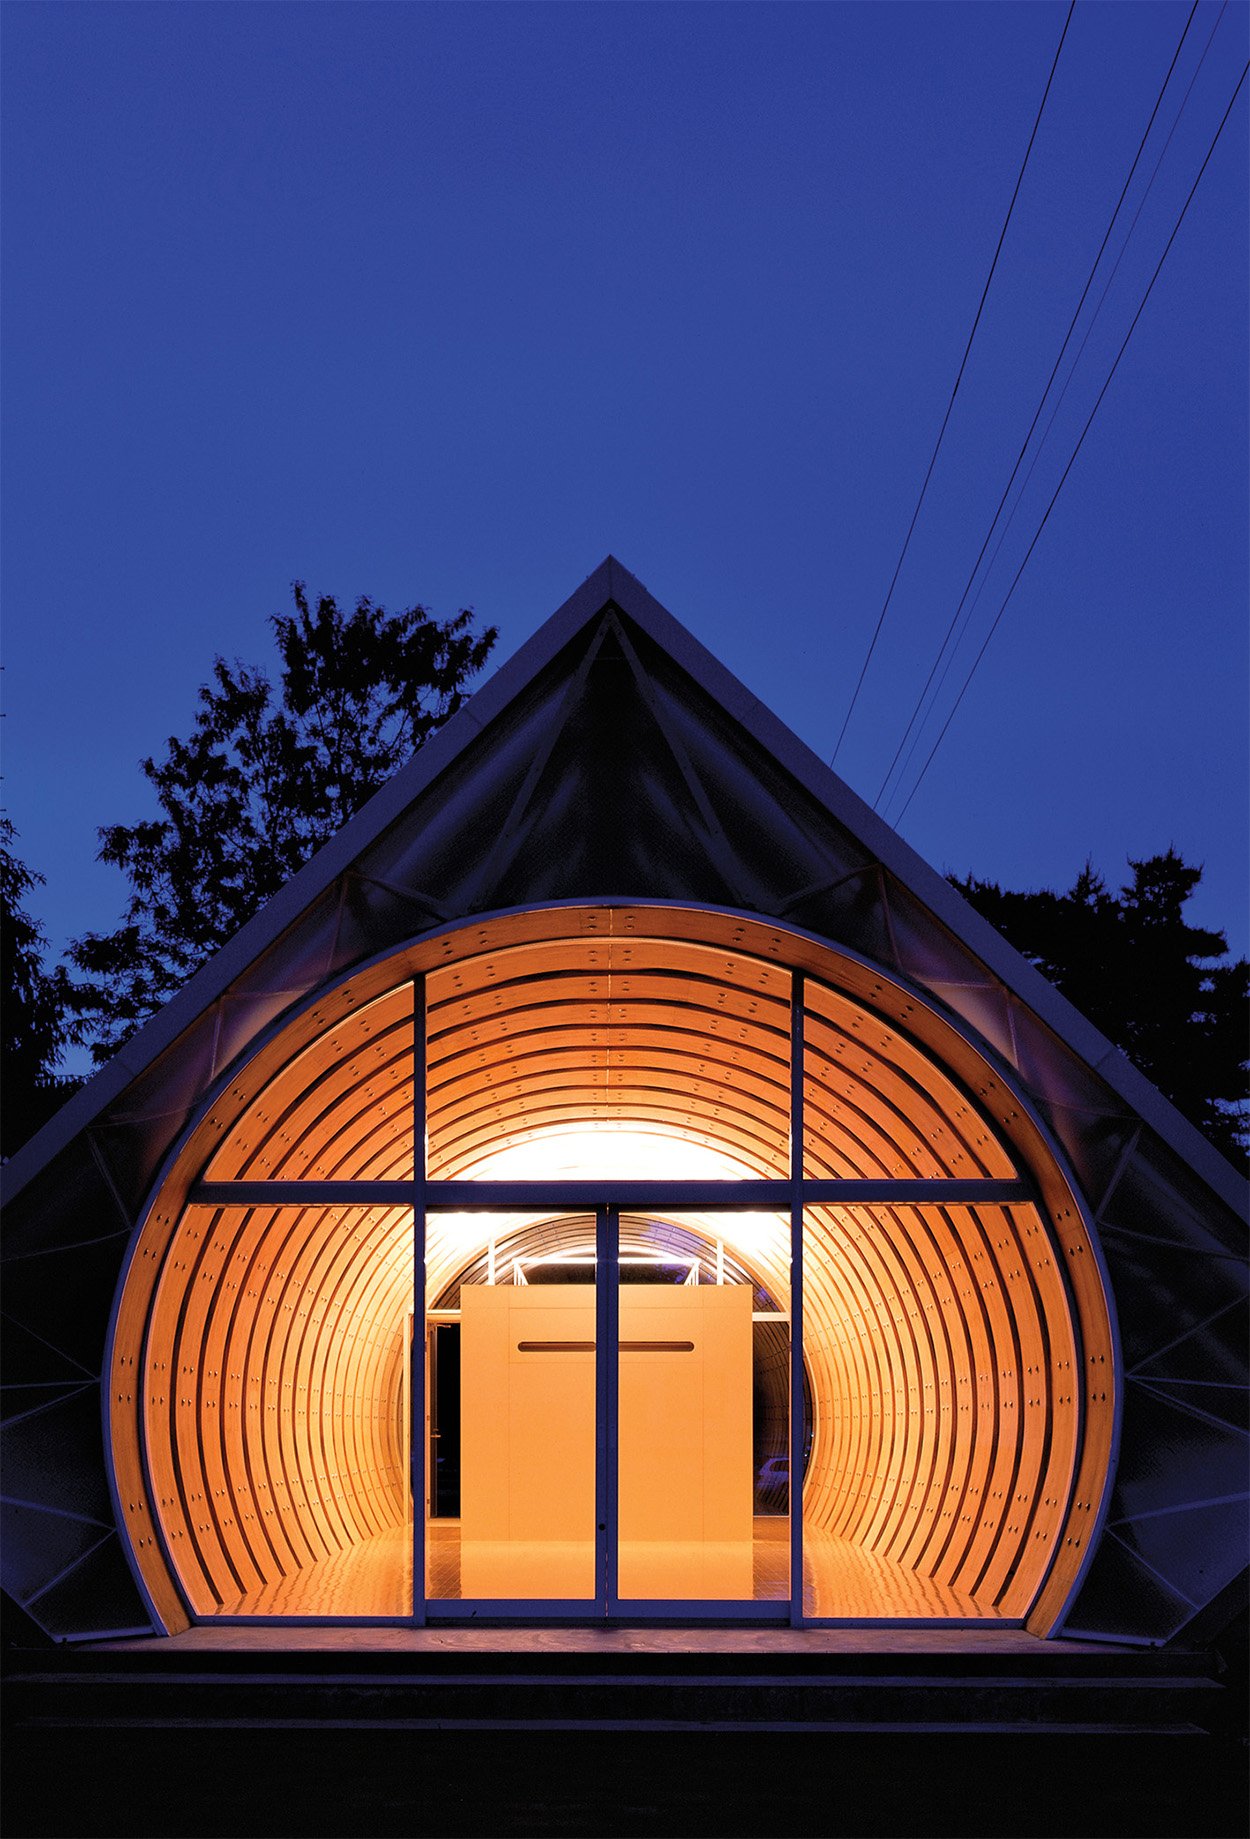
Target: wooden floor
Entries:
(993, 1638)
(840, 1580)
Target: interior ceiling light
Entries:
(600, 1151)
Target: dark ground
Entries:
(345, 1780)
(277, 1784)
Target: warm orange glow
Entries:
(276, 1360)
(942, 1357)
(584, 1152)
(527, 1515)
(261, 1352)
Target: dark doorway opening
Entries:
(445, 1421)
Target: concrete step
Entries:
(537, 1654)
(445, 1694)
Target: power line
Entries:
(1042, 400)
(1059, 400)
(1084, 431)
(955, 391)
(1067, 382)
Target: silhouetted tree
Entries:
(1150, 981)
(264, 778)
(37, 1019)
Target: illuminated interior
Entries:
(702, 1410)
(951, 1350)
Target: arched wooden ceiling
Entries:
(678, 1039)
(943, 1348)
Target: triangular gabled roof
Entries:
(612, 758)
(704, 804)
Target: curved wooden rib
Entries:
(958, 1357)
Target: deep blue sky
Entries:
(445, 302)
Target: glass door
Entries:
(702, 1418)
(513, 1416)
(607, 1415)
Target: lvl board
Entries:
(528, 1413)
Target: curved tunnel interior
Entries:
(941, 1349)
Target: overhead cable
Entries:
(1045, 436)
(1060, 398)
(1080, 442)
(915, 714)
(955, 391)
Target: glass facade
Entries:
(710, 1292)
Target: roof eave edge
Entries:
(960, 918)
(612, 582)
(308, 883)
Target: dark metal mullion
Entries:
(585, 1196)
(607, 1401)
(797, 997)
(417, 1434)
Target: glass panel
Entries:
(600, 1059)
(704, 1407)
(878, 1360)
(277, 1409)
(339, 1109)
(510, 1378)
(875, 1105)
(941, 1439)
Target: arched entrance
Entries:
(701, 1204)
